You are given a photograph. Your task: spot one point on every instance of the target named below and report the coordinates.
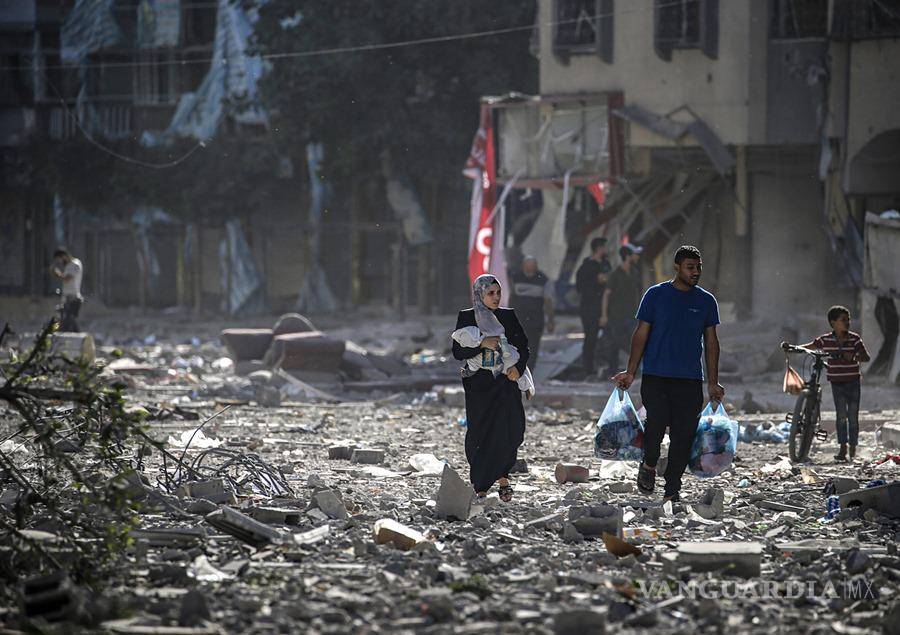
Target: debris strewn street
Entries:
(355, 514)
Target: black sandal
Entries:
(506, 493)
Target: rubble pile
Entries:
(336, 514)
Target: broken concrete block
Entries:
(857, 562)
(454, 497)
(74, 346)
(330, 504)
(276, 515)
(739, 558)
(570, 473)
(242, 527)
(194, 610)
(213, 490)
(267, 396)
(842, 484)
(340, 452)
(368, 456)
(712, 505)
(181, 537)
(780, 507)
(595, 520)
(579, 622)
(890, 434)
(50, 597)
(312, 351)
(292, 323)
(312, 536)
(388, 530)
(621, 487)
(882, 498)
(571, 534)
(246, 344)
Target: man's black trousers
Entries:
(674, 404)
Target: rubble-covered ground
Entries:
(537, 564)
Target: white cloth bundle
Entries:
(471, 337)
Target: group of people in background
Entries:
(607, 300)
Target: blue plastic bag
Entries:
(715, 443)
(620, 431)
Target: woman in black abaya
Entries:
(494, 412)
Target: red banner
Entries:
(481, 167)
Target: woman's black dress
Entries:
(494, 413)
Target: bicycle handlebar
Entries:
(815, 352)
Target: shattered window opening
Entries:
(584, 27)
(866, 19)
(679, 23)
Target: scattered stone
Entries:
(857, 562)
(621, 487)
(51, 597)
(276, 515)
(890, 435)
(571, 473)
(842, 484)
(242, 527)
(194, 610)
(330, 504)
(571, 534)
(595, 520)
(454, 497)
(882, 498)
(579, 622)
(312, 536)
(369, 456)
(712, 505)
(737, 558)
(780, 507)
(388, 530)
(340, 452)
(247, 344)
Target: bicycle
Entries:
(806, 418)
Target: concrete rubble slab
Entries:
(884, 499)
(571, 473)
(737, 558)
(454, 496)
(243, 527)
(388, 530)
(369, 456)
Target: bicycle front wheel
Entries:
(803, 427)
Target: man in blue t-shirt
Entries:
(676, 323)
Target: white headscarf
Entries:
(485, 319)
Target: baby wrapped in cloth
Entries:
(495, 361)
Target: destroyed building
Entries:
(758, 131)
(180, 77)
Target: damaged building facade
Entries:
(759, 131)
(162, 74)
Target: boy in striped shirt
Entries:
(846, 350)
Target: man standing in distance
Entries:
(590, 281)
(68, 269)
(676, 323)
(532, 298)
(622, 295)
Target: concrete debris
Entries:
(51, 597)
(596, 520)
(331, 504)
(370, 456)
(712, 505)
(242, 527)
(890, 434)
(570, 473)
(388, 530)
(884, 499)
(341, 452)
(454, 497)
(369, 528)
(735, 558)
